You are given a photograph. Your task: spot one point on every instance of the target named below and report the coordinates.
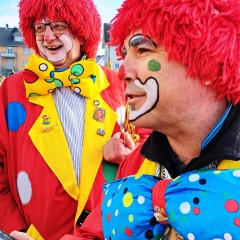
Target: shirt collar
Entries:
(216, 128)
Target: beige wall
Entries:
(18, 61)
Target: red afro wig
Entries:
(204, 35)
(81, 15)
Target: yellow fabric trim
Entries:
(47, 143)
(40, 100)
(33, 233)
(229, 164)
(57, 156)
(148, 167)
(93, 143)
(92, 149)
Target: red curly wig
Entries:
(204, 35)
(81, 15)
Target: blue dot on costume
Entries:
(15, 116)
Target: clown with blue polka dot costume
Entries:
(194, 204)
(56, 114)
(181, 63)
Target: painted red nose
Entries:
(121, 72)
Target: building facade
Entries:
(110, 53)
(14, 54)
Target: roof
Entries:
(98, 57)
(7, 37)
(17, 34)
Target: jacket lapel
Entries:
(51, 143)
(93, 142)
(46, 139)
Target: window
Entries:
(9, 50)
(116, 65)
(25, 63)
(9, 64)
(26, 51)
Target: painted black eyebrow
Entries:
(139, 39)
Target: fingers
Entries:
(117, 135)
(128, 141)
(113, 150)
(20, 235)
(118, 147)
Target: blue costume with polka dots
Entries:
(202, 204)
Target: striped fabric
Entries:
(71, 111)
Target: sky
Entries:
(9, 12)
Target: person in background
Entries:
(55, 117)
(181, 62)
(1, 79)
(12, 72)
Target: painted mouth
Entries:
(133, 100)
(136, 95)
(54, 48)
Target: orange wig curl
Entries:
(204, 35)
(81, 15)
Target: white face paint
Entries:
(61, 50)
(58, 55)
(150, 86)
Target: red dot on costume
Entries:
(196, 211)
(29, 76)
(231, 206)
(109, 217)
(128, 231)
(237, 222)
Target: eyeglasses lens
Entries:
(57, 27)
